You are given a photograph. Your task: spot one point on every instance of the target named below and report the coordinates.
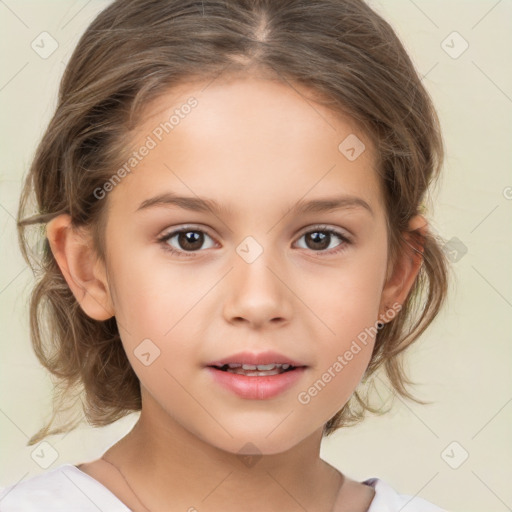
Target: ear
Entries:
(408, 263)
(80, 266)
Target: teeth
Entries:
(256, 370)
(264, 367)
(255, 373)
(260, 367)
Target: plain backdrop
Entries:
(455, 452)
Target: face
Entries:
(254, 269)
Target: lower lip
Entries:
(257, 388)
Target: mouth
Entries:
(262, 364)
(256, 376)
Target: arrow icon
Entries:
(147, 352)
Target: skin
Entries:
(244, 145)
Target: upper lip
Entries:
(253, 358)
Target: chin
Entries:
(258, 442)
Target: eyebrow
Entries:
(199, 204)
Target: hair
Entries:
(342, 51)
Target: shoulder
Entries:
(56, 490)
(387, 499)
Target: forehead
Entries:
(234, 139)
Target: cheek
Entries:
(347, 297)
(343, 357)
(150, 295)
(155, 310)
(347, 301)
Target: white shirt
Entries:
(68, 488)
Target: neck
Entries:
(169, 468)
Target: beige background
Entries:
(462, 363)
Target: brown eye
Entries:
(185, 241)
(320, 240)
(190, 240)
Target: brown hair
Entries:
(340, 50)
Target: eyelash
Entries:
(317, 229)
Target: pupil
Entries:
(195, 241)
(319, 237)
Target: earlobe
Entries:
(74, 253)
(407, 266)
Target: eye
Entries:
(319, 239)
(188, 240)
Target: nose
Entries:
(258, 294)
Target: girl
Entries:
(185, 277)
